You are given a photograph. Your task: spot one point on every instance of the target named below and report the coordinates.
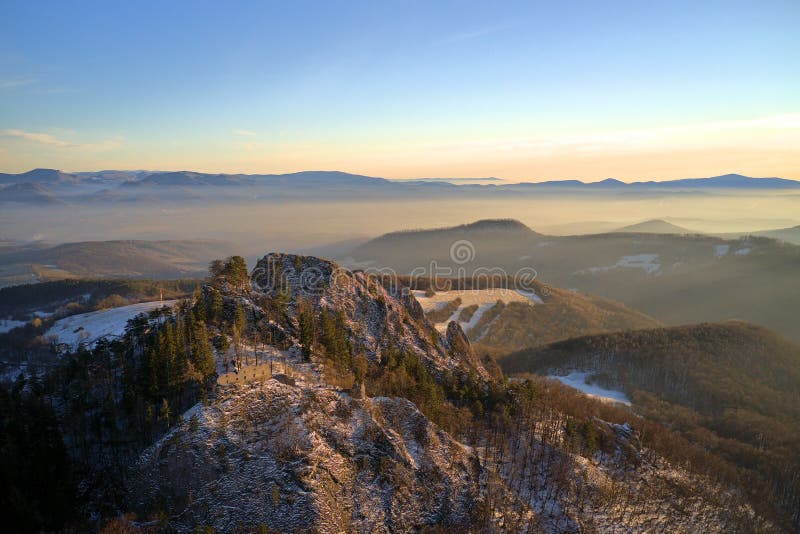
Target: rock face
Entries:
(299, 459)
(376, 316)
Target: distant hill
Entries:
(561, 314)
(790, 235)
(105, 259)
(673, 278)
(39, 176)
(502, 320)
(186, 178)
(29, 193)
(654, 226)
(409, 249)
(726, 181)
(306, 178)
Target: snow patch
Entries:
(743, 251)
(7, 325)
(483, 298)
(721, 250)
(646, 262)
(531, 295)
(581, 380)
(88, 328)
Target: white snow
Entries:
(581, 381)
(197, 410)
(466, 326)
(9, 324)
(743, 251)
(647, 262)
(483, 298)
(721, 250)
(42, 314)
(531, 295)
(469, 297)
(88, 328)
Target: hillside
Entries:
(40, 176)
(790, 235)
(120, 259)
(302, 396)
(503, 320)
(733, 387)
(674, 278)
(28, 193)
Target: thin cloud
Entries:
(51, 140)
(13, 83)
(476, 33)
(35, 137)
(245, 133)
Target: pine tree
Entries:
(214, 302)
(202, 356)
(306, 322)
(164, 412)
(236, 272)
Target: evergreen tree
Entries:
(164, 411)
(214, 303)
(236, 272)
(202, 356)
(216, 270)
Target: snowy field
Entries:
(647, 262)
(578, 380)
(88, 328)
(483, 298)
(9, 324)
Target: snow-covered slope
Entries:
(88, 328)
(582, 381)
(484, 299)
(6, 325)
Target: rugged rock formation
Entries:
(299, 459)
(376, 316)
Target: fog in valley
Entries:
(310, 226)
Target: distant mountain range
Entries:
(113, 186)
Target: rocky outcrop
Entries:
(299, 459)
(376, 316)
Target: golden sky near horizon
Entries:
(762, 146)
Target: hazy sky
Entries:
(520, 90)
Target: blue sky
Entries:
(405, 89)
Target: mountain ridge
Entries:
(186, 177)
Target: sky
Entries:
(404, 89)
